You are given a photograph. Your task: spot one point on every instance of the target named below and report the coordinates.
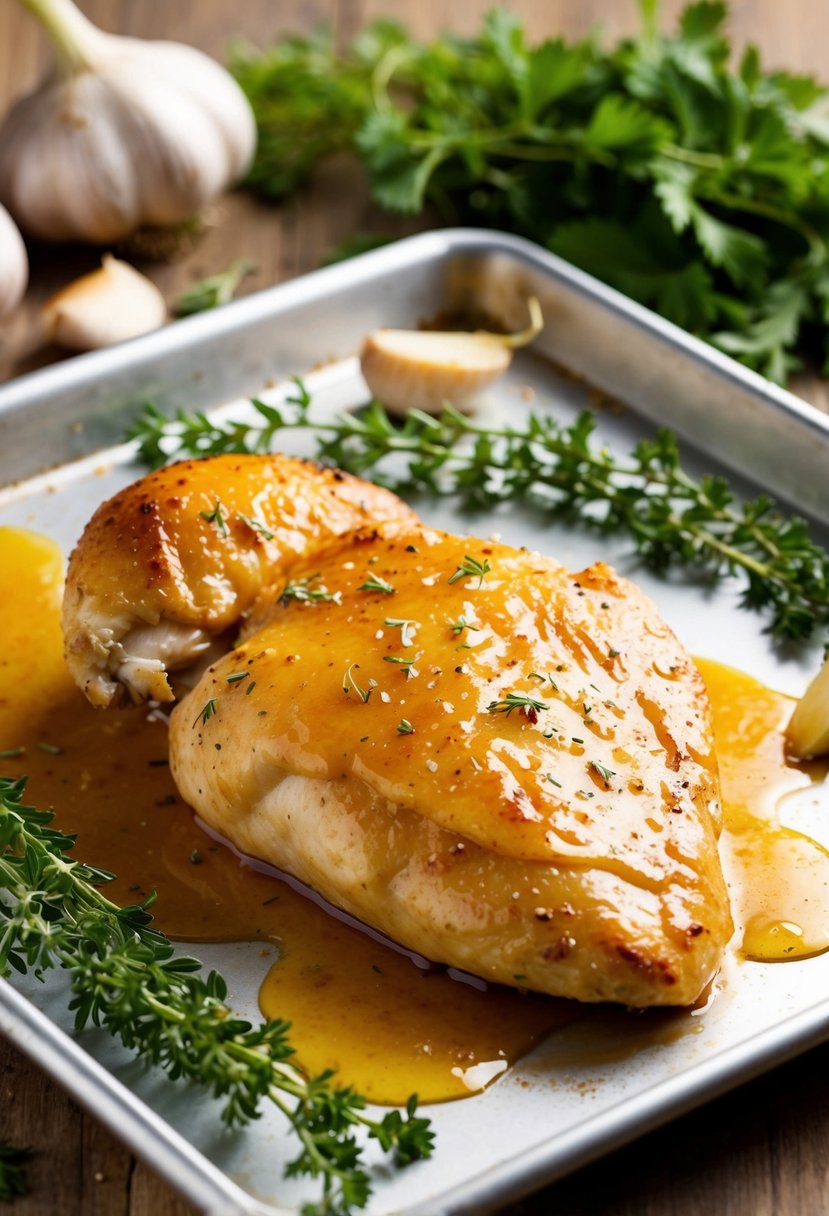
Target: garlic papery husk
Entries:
(423, 369)
(125, 134)
(14, 265)
(107, 306)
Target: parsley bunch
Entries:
(673, 520)
(126, 978)
(701, 191)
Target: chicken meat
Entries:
(502, 765)
(171, 563)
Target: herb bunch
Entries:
(126, 978)
(701, 191)
(673, 519)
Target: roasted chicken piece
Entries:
(175, 560)
(502, 765)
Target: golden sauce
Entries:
(359, 1005)
(778, 878)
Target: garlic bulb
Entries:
(107, 306)
(124, 134)
(14, 265)
(422, 369)
(808, 731)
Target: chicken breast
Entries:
(176, 559)
(499, 764)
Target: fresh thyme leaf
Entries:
(126, 978)
(216, 516)
(457, 627)
(215, 290)
(375, 583)
(531, 707)
(472, 567)
(308, 591)
(697, 186)
(406, 629)
(603, 772)
(207, 711)
(673, 520)
(257, 526)
(13, 1161)
(404, 727)
(350, 684)
(406, 665)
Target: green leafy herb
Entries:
(126, 978)
(215, 290)
(407, 665)
(238, 676)
(206, 712)
(257, 526)
(308, 590)
(699, 188)
(13, 1161)
(405, 627)
(673, 520)
(404, 727)
(603, 772)
(350, 684)
(470, 566)
(457, 627)
(375, 583)
(11, 753)
(529, 706)
(216, 516)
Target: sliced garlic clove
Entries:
(107, 306)
(14, 265)
(422, 369)
(808, 731)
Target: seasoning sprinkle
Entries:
(216, 517)
(256, 525)
(349, 684)
(375, 583)
(404, 727)
(207, 711)
(473, 568)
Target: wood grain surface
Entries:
(761, 1151)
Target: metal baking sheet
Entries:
(590, 1086)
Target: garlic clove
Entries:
(107, 306)
(14, 265)
(808, 731)
(423, 369)
(126, 134)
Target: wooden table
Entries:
(762, 1150)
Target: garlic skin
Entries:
(104, 307)
(14, 265)
(124, 134)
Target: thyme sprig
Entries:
(126, 978)
(13, 1161)
(673, 519)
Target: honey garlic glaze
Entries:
(359, 1005)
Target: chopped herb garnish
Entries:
(309, 591)
(553, 781)
(584, 794)
(12, 753)
(250, 688)
(51, 748)
(404, 727)
(613, 654)
(237, 676)
(257, 526)
(604, 773)
(516, 700)
(214, 290)
(457, 627)
(206, 712)
(575, 740)
(350, 684)
(473, 568)
(406, 664)
(375, 583)
(405, 628)
(196, 858)
(216, 517)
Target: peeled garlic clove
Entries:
(125, 134)
(107, 306)
(808, 731)
(422, 369)
(14, 265)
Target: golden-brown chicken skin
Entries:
(177, 558)
(509, 771)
